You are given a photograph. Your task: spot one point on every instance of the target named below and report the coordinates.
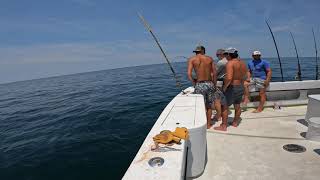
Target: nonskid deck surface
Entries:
(254, 150)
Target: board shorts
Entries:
(218, 95)
(207, 89)
(234, 94)
(257, 82)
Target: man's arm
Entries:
(268, 79)
(248, 73)
(268, 72)
(229, 76)
(219, 67)
(248, 76)
(214, 73)
(190, 67)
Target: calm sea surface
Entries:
(90, 125)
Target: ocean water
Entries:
(89, 125)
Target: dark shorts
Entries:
(234, 94)
(205, 88)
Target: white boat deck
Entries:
(254, 150)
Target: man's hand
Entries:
(246, 83)
(194, 82)
(224, 88)
(266, 83)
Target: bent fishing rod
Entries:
(148, 27)
(299, 67)
(275, 44)
(315, 46)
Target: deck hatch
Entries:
(295, 148)
(156, 162)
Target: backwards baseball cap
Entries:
(199, 49)
(231, 50)
(256, 53)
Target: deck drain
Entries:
(303, 134)
(295, 148)
(317, 151)
(156, 162)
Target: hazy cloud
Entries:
(85, 31)
(76, 52)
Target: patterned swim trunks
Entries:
(218, 95)
(206, 88)
(257, 82)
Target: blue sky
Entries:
(42, 38)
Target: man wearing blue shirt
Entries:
(259, 74)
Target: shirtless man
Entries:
(233, 85)
(206, 78)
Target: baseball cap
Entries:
(220, 51)
(199, 48)
(231, 50)
(256, 53)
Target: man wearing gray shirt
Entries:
(220, 99)
(221, 64)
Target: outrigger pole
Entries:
(299, 67)
(275, 44)
(148, 27)
(315, 46)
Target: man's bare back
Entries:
(203, 66)
(206, 78)
(236, 71)
(233, 85)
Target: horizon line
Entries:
(85, 72)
